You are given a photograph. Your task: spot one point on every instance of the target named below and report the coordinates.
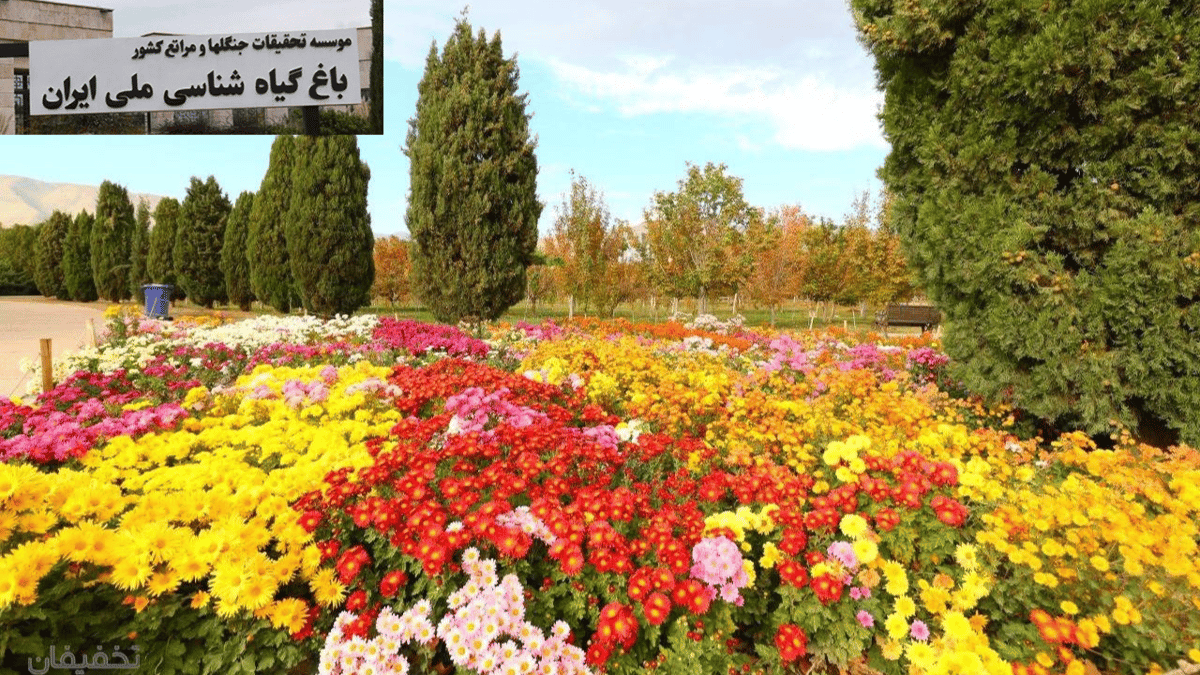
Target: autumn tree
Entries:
(696, 235)
(392, 269)
(778, 258)
(587, 243)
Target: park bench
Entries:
(908, 315)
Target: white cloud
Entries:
(804, 112)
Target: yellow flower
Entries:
(957, 626)
(1069, 608)
(866, 551)
(896, 625)
(905, 606)
(1099, 563)
(131, 573)
(327, 590)
(853, 525)
(770, 556)
(892, 650)
(1046, 579)
(966, 556)
(289, 613)
(200, 599)
(920, 654)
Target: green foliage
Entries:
(161, 259)
(328, 229)
(266, 250)
(234, 263)
(1044, 166)
(375, 116)
(17, 269)
(111, 238)
(472, 208)
(77, 259)
(139, 251)
(48, 255)
(198, 239)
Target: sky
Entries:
(625, 93)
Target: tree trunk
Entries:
(570, 307)
(735, 303)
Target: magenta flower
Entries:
(865, 618)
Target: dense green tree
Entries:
(267, 251)
(198, 238)
(18, 272)
(112, 234)
(160, 262)
(1044, 162)
(234, 263)
(472, 207)
(48, 255)
(77, 259)
(139, 251)
(375, 114)
(328, 228)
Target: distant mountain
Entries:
(25, 201)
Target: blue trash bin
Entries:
(158, 296)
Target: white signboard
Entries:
(194, 72)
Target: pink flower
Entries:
(864, 617)
(919, 631)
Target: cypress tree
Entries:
(18, 275)
(48, 256)
(77, 259)
(330, 243)
(198, 237)
(160, 262)
(1044, 163)
(375, 113)
(472, 207)
(234, 264)
(267, 252)
(139, 251)
(112, 233)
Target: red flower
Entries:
(886, 520)
(356, 601)
(310, 520)
(949, 511)
(392, 583)
(351, 563)
(656, 608)
(827, 588)
(791, 641)
(793, 573)
(693, 595)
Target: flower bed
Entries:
(370, 495)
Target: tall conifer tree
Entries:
(328, 229)
(112, 234)
(198, 239)
(77, 259)
(376, 109)
(267, 251)
(234, 263)
(160, 262)
(48, 254)
(473, 207)
(1044, 161)
(139, 251)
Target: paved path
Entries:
(25, 321)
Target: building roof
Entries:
(69, 4)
